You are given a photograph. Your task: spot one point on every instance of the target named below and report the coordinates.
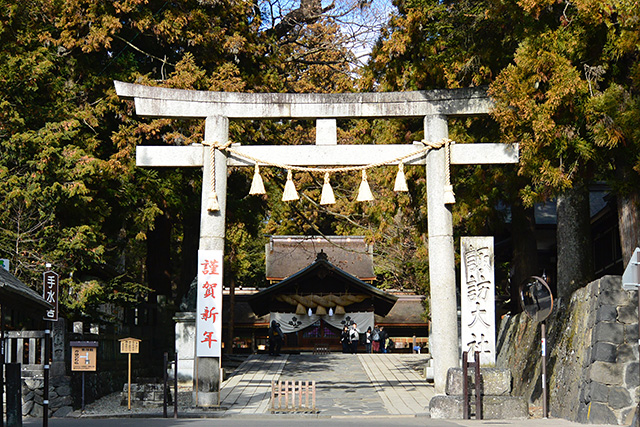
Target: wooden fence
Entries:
(293, 396)
(26, 348)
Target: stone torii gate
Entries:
(217, 108)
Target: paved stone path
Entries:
(346, 384)
(248, 391)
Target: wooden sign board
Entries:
(83, 356)
(130, 345)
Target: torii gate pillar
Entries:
(443, 338)
(212, 233)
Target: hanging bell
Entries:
(327, 197)
(401, 182)
(449, 197)
(257, 185)
(364, 192)
(290, 192)
(310, 313)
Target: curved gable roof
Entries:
(382, 301)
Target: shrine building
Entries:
(316, 285)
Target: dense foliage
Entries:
(565, 77)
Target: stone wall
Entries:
(60, 397)
(592, 355)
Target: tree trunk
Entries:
(629, 224)
(525, 254)
(573, 235)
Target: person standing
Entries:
(344, 339)
(375, 338)
(354, 336)
(367, 340)
(275, 338)
(383, 340)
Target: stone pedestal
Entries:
(496, 400)
(207, 385)
(185, 330)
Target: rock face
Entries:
(592, 355)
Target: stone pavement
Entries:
(346, 384)
(376, 389)
(248, 391)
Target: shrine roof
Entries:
(287, 255)
(323, 268)
(407, 311)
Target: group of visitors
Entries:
(375, 341)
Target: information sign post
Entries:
(83, 359)
(129, 346)
(50, 294)
(537, 301)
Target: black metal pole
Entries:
(47, 361)
(2, 360)
(478, 380)
(164, 388)
(465, 387)
(175, 386)
(82, 410)
(544, 369)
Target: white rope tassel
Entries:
(290, 192)
(212, 202)
(448, 197)
(327, 197)
(401, 182)
(257, 185)
(364, 192)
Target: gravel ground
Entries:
(110, 405)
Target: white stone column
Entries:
(444, 320)
(212, 231)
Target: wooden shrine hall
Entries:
(318, 285)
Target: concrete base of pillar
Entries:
(207, 383)
(493, 407)
(205, 399)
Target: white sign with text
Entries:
(477, 298)
(209, 304)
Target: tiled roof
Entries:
(286, 255)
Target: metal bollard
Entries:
(14, 395)
(164, 388)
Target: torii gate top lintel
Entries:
(179, 103)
